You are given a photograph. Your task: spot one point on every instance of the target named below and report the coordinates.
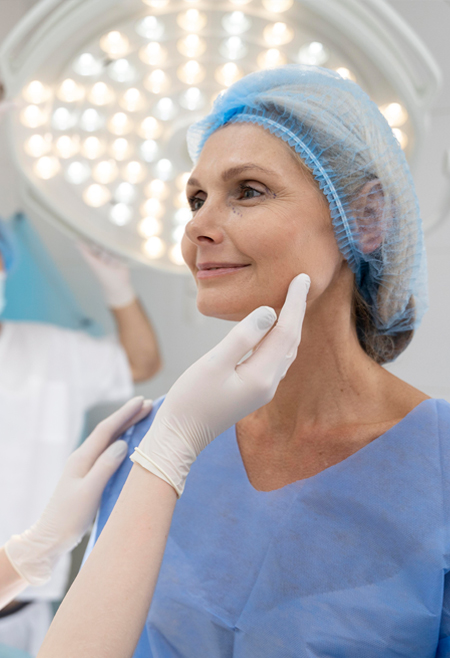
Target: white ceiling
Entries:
(170, 299)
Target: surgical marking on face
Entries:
(234, 210)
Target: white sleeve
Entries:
(102, 369)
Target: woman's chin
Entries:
(222, 311)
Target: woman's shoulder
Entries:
(431, 413)
(442, 412)
(429, 421)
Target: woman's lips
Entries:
(211, 270)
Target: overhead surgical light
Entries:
(106, 92)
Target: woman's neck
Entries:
(333, 383)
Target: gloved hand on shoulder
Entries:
(72, 508)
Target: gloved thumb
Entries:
(245, 336)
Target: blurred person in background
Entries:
(29, 558)
(49, 378)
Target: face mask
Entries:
(2, 291)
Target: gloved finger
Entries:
(97, 256)
(147, 406)
(278, 350)
(104, 467)
(106, 431)
(243, 337)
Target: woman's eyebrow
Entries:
(234, 171)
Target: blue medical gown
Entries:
(349, 563)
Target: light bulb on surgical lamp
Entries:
(63, 119)
(38, 145)
(153, 54)
(115, 44)
(401, 137)
(101, 94)
(164, 169)
(345, 73)
(165, 109)
(96, 195)
(157, 82)
(150, 128)
(157, 189)
(36, 92)
(77, 172)
(270, 59)
(149, 226)
(87, 65)
(313, 54)
(192, 20)
(152, 208)
(67, 146)
(47, 167)
(92, 148)
(228, 74)
(120, 124)
(70, 91)
(278, 34)
(191, 46)
(133, 172)
(122, 71)
(91, 120)
(233, 48)
(125, 193)
(236, 23)
(120, 149)
(132, 100)
(33, 116)
(154, 247)
(191, 72)
(105, 172)
(150, 27)
(120, 214)
(395, 114)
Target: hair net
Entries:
(7, 251)
(343, 138)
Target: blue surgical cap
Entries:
(7, 250)
(345, 141)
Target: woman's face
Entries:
(258, 221)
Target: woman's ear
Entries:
(368, 210)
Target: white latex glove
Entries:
(113, 275)
(218, 391)
(72, 508)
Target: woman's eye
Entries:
(250, 193)
(196, 203)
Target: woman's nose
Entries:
(205, 226)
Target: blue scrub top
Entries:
(349, 563)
